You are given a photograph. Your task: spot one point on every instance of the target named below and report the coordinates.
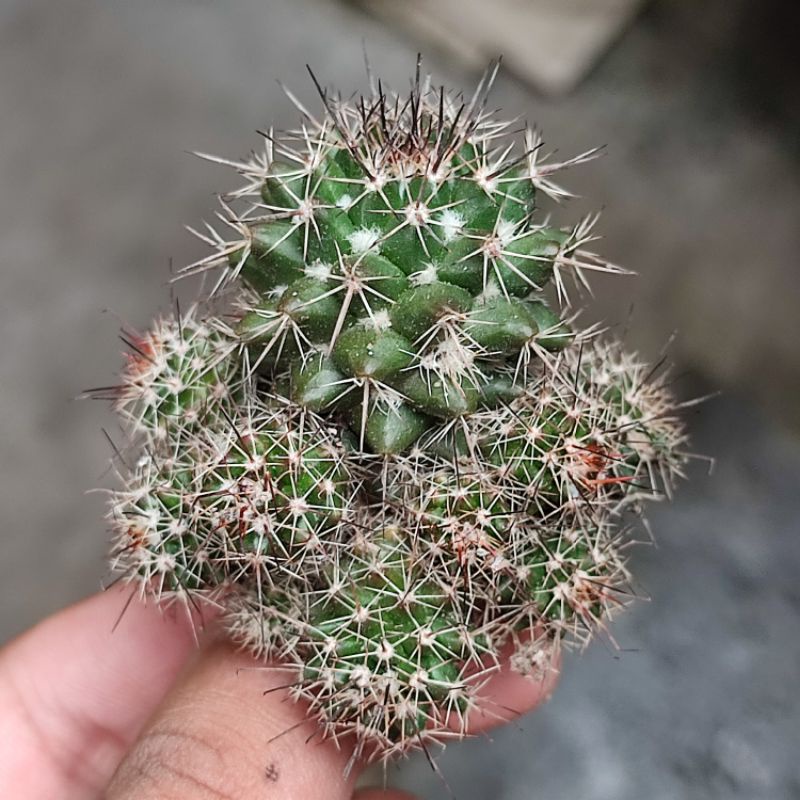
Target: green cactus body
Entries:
(396, 457)
(428, 249)
(176, 373)
(158, 540)
(569, 582)
(272, 489)
(386, 649)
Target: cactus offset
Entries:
(176, 373)
(398, 457)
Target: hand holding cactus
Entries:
(83, 714)
(381, 445)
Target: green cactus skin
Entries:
(379, 445)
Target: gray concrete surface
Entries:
(100, 100)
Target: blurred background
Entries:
(698, 104)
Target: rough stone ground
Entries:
(99, 102)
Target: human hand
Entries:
(89, 711)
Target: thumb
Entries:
(230, 730)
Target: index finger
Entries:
(75, 692)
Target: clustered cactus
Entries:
(380, 443)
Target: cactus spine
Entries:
(381, 444)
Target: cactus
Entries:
(177, 372)
(251, 499)
(385, 647)
(380, 443)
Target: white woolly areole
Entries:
(379, 321)
(418, 679)
(452, 357)
(319, 270)
(361, 676)
(384, 650)
(424, 276)
(417, 214)
(363, 240)
(535, 659)
(376, 183)
(304, 212)
(491, 289)
(505, 230)
(483, 177)
(450, 224)
(276, 291)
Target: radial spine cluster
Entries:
(380, 442)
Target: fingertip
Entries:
(122, 609)
(80, 685)
(119, 640)
(516, 688)
(129, 610)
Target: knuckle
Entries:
(171, 764)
